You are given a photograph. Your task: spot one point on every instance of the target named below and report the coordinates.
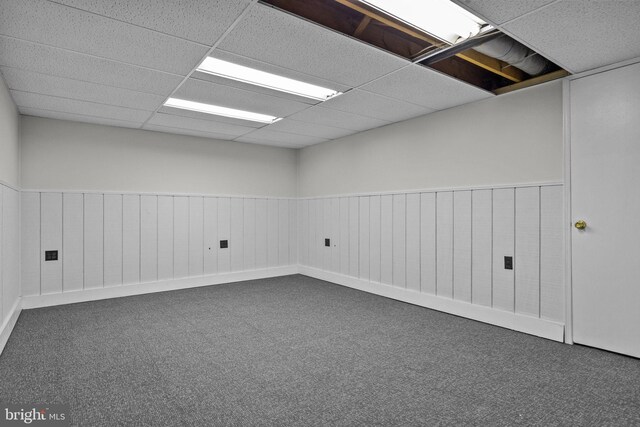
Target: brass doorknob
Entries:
(581, 224)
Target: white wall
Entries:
(9, 215)
(9, 145)
(513, 138)
(61, 155)
(109, 242)
(445, 250)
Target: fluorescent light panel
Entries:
(440, 18)
(220, 111)
(240, 73)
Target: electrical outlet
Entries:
(508, 263)
(50, 255)
(327, 242)
(224, 244)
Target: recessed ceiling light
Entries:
(440, 18)
(240, 73)
(220, 111)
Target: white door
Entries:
(605, 193)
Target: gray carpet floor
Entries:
(299, 351)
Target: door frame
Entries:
(567, 214)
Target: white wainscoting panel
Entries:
(149, 238)
(106, 241)
(527, 251)
(482, 247)
(180, 237)
(461, 246)
(72, 241)
(93, 241)
(51, 239)
(210, 235)
(249, 236)
(445, 250)
(130, 238)
(236, 249)
(10, 255)
(113, 239)
(503, 245)
(444, 244)
(165, 236)
(30, 239)
(196, 236)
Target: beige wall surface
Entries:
(509, 139)
(9, 135)
(65, 155)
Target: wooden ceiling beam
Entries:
(494, 65)
(532, 82)
(362, 26)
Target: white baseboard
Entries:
(517, 322)
(7, 326)
(47, 300)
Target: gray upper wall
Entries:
(61, 155)
(510, 139)
(9, 138)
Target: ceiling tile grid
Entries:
(201, 21)
(208, 117)
(501, 11)
(53, 61)
(118, 61)
(328, 117)
(73, 106)
(65, 27)
(281, 39)
(169, 120)
(580, 35)
(425, 87)
(27, 81)
(242, 99)
(375, 106)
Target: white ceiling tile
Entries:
(27, 81)
(209, 117)
(63, 63)
(500, 11)
(282, 138)
(78, 118)
(203, 21)
(582, 35)
(376, 106)
(72, 106)
(309, 129)
(341, 119)
(252, 88)
(275, 37)
(190, 132)
(227, 96)
(429, 88)
(61, 26)
(168, 120)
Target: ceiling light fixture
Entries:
(441, 18)
(240, 73)
(220, 111)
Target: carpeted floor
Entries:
(299, 351)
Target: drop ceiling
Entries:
(116, 62)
